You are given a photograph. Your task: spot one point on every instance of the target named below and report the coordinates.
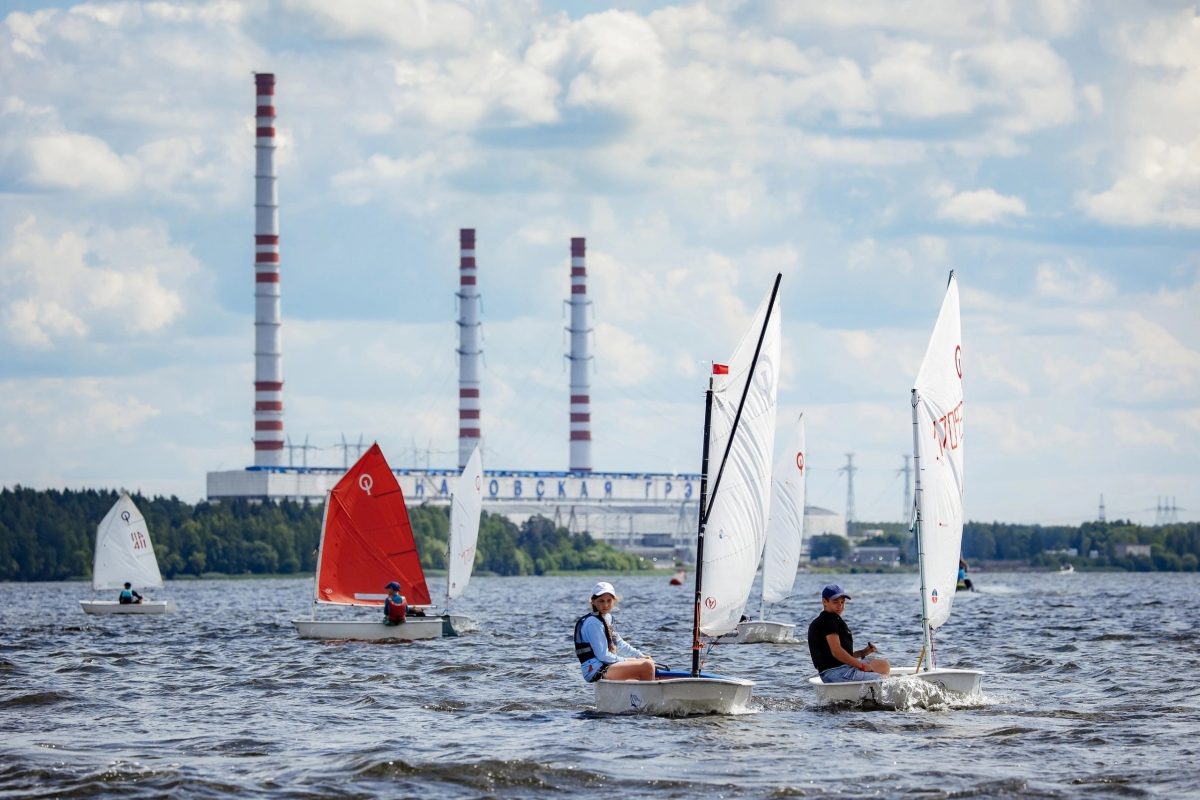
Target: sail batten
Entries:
(124, 552)
(742, 427)
(367, 539)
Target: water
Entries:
(1089, 685)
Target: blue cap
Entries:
(833, 591)
(393, 585)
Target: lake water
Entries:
(1090, 692)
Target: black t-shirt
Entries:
(826, 623)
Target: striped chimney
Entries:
(469, 432)
(268, 349)
(581, 418)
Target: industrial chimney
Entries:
(268, 348)
(581, 418)
(469, 431)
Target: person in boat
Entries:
(129, 595)
(601, 651)
(831, 645)
(395, 606)
(963, 581)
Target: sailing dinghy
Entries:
(367, 542)
(124, 554)
(781, 556)
(466, 504)
(739, 430)
(937, 417)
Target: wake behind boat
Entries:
(125, 557)
(366, 543)
(739, 427)
(937, 417)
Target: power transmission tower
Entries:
(849, 469)
(906, 471)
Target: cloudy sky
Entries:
(1048, 152)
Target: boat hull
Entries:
(952, 683)
(762, 630)
(674, 694)
(113, 607)
(458, 624)
(413, 629)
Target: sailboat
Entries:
(937, 418)
(367, 542)
(781, 556)
(739, 430)
(466, 504)
(124, 554)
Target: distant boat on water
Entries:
(124, 554)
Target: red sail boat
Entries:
(367, 542)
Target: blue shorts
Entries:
(846, 673)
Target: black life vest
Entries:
(583, 650)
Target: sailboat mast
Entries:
(928, 632)
(320, 552)
(703, 521)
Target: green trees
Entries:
(49, 535)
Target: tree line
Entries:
(1173, 548)
(50, 535)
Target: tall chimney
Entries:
(268, 348)
(469, 431)
(581, 418)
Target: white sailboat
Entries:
(781, 556)
(739, 431)
(125, 554)
(937, 414)
(466, 504)
(367, 542)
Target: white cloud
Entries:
(1159, 185)
(1073, 283)
(63, 284)
(981, 207)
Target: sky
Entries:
(1047, 152)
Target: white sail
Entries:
(937, 400)
(123, 550)
(785, 526)
(740, 499)
(465, 506)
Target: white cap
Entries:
(603, 587)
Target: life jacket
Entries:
(126, 597)
(583, 650)
(395, 613)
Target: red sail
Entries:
(367, 540)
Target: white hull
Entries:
(458, 624)
(761, 630)
(899, 689)
(113, 607)
(411, 630)
(674, 696)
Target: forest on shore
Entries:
(50, 535)
(1119, 544)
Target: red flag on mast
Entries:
(720, 369)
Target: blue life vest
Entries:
(126, 597)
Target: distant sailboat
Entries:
(937, 418)
(367, 542)
(466, 504)
(739, 430)
(781, 556)
(125, 554)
